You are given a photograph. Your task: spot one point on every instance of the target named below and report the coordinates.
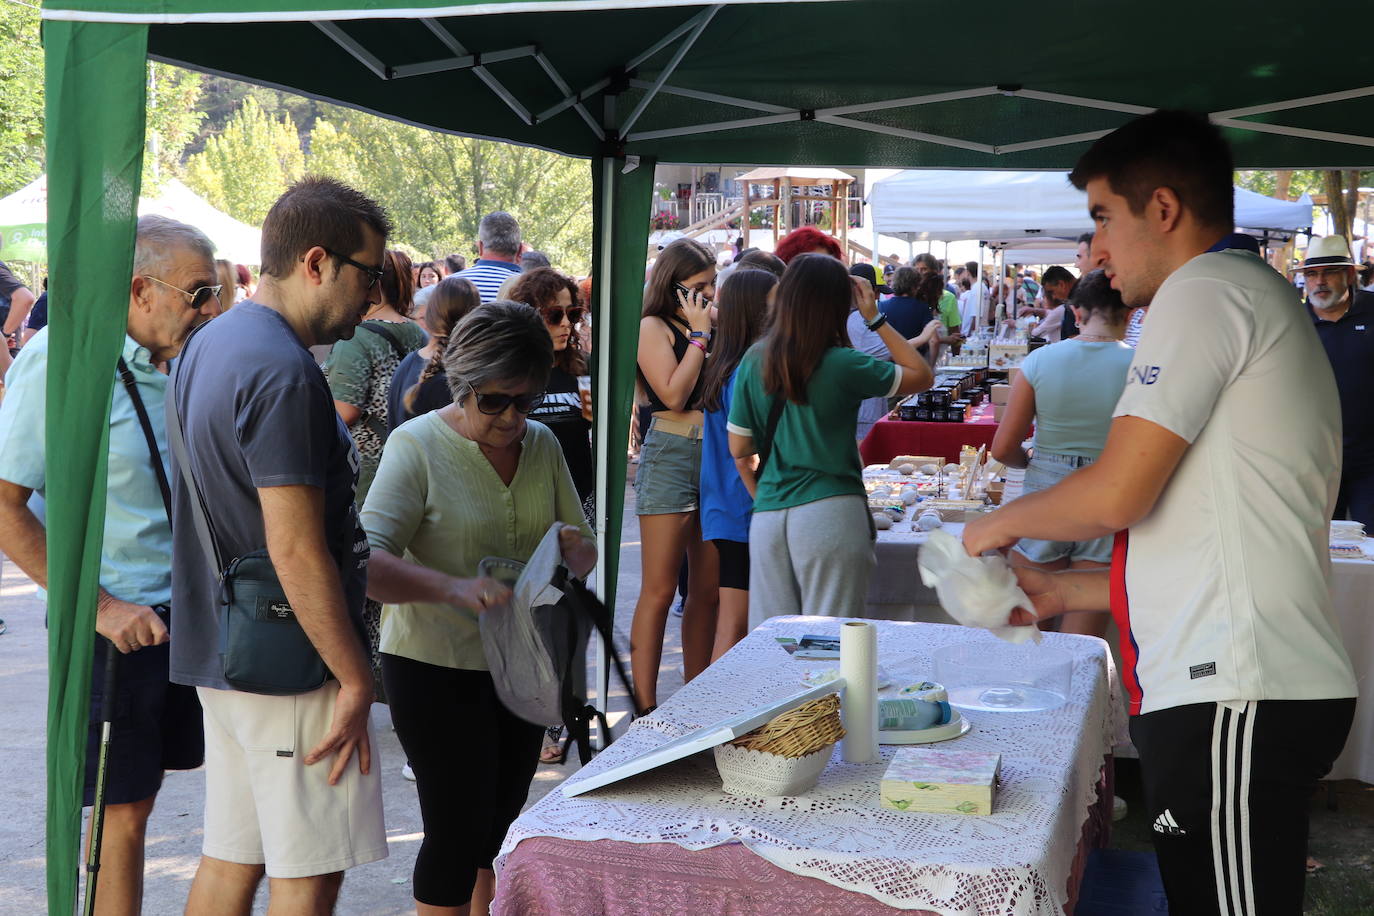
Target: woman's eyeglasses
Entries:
(495, 404)
(554, 314)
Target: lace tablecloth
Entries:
(1015, 861)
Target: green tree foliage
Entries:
(21, 98)
(173, 117)
(245, 169)
(437, 187)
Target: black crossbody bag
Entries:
(262, 645)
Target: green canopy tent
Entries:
(624, 84)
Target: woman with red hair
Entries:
(806, 240)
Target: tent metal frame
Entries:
(691, 30)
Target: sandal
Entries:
(557, 752)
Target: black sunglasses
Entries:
(495, 404)
(554, 314)
(373, 273)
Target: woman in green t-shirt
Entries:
(810, 541)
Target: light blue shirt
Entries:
(1077, 384)
(136, 556)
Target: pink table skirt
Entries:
(545, 876)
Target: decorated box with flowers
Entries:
(940, 781)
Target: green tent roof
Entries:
(894, 83)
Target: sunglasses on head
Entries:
(554, 314)
(495, 404)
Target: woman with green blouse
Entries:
(472, 480)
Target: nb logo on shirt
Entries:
(1144, 375)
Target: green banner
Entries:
(95, 119)
(621, 204)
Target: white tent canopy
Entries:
(24, 215)
(954, 205)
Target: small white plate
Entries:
(814, 677)
(957, 727)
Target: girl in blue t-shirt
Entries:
(727, 484)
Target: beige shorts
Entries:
(264, 806)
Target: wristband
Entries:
(698, 344)
(876, 322)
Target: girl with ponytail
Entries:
(419, 385)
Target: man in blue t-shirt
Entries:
(276, 468)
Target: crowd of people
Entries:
(364, 422)
(375, 451)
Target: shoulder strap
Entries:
(199, 516)
(376, 327)
(154, 453)
(766, 446)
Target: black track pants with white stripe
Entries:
(1227, 787)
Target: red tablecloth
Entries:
(545, 876)
(890, 438)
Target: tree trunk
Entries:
(1342, 214)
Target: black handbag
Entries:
(263, 647)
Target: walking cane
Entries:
(107, 710)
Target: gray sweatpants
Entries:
(812, 559)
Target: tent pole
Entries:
(603, 286)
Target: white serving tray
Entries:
(700, 740)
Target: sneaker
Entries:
(407, 773)
(679, 607)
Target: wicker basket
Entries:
(785, 756)
(799, 732)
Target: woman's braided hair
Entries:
(453, 297)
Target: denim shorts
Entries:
(1045, 470)
(669, 475)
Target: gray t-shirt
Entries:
(256, 412)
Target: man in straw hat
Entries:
(1344, 318)
(1218, 477)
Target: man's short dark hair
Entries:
(454, 263)
(1086, 239)
(1179, 150)
(1056, 274)
(927, 259)
(317, 211)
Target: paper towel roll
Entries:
(859, 705)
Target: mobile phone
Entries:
(687, 291)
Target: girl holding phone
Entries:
(674, 335)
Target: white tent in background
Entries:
(954, 205)
(234, 240)
(24, 216)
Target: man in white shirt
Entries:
(1241, 692)
(1058, 283)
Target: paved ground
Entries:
(174, 830)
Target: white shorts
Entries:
(264, 806)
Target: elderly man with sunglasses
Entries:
(1344, 318)
(157, 725)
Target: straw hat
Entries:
(1327, 251)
